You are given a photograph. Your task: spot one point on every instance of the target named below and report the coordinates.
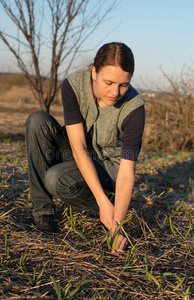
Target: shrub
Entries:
(170, 114)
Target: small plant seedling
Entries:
(146, 264)
(173, 231)
(130, 256)
(73, 221)
(94, 296)
(4, 180)
(34, 279)
(6, 246)
(111, 241)
(100, 255)
(187, 293)
(23, 258)
(151, 277)
(6, 158)
(176, 276)
(67, 293)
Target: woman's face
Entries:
(110, 84)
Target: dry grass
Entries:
(170, 115)
(14, 88)
(159, 262)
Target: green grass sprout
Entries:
(68, 293)
(34, 279)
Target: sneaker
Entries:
(46, 224)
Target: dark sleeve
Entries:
(72, 114)
(133, 126)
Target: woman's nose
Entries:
(115, 90)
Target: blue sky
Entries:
(159, 32)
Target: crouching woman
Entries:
(96, 151)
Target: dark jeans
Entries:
(52, 169)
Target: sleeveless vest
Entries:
(106, 121)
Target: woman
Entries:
(96, 151)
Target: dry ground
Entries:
(14, 114)
(159, 262)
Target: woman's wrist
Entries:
(101, 199)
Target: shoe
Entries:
(46, 224)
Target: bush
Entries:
(170, 114)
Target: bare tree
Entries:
(61, 26)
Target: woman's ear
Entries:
(94, 73)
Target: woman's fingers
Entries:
(120, 244)
(106, 213)
(123, 245)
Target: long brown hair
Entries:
(113, 54)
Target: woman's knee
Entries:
(59, 179)
(35, 119)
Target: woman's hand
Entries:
(121, 242)
(106, 213)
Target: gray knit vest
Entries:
(106, 121)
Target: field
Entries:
(76, 263)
